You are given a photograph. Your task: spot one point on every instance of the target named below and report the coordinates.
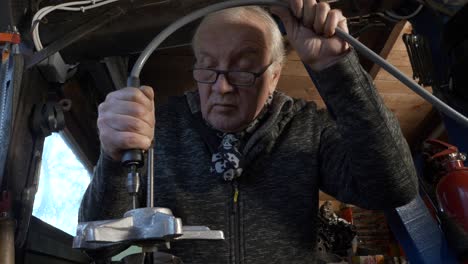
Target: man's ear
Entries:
(276, 74)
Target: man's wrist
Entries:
(108, 160)
(328, 62)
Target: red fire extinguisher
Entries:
(452, 188)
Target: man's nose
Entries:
(222, 86)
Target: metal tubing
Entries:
(134, 201)
(150, 175)
(154, 44)
(7, 240)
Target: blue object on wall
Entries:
(418, 233)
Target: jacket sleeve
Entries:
(106, 196)
(364, 158)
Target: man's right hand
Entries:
(126, 120)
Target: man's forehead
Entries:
(247, 48)
(240, 37)
(225, 17)
(233, 54)
(221, 24)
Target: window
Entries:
(63, 181)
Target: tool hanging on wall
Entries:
(11, 70)
(420, 57)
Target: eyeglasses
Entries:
(235, 78)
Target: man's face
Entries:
(234, 46)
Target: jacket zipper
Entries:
(236, 213)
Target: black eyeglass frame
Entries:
(219, 72)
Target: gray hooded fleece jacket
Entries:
(354, 152)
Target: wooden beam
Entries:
(81, 119)
(325, 197)
(392, 39)
(374, 38)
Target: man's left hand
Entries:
(310, 28)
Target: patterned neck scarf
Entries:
(228, 162)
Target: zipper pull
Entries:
(236, 192)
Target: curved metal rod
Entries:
(134, 81)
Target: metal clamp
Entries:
(10, 37)
(140, 226)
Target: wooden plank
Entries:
(384, 75)
(411, 120)
(396, 96)
(320, 104)
(424, 129)
(300, 87)
(384, 86)
(81, 119)
(169, 75)
(374, 38)
(399, 58)
(287, 83)
(392, 39)
(325, 197)
(403, 101)
(411, 117)
(400, 45)
(409, 110)
(293, 56)
(296, 93)
(294, 68)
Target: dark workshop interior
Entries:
(60, 61)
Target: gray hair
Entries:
(242, 13)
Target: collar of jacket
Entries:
(282, 110)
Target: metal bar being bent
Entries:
(134, 81)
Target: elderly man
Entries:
(238, 156)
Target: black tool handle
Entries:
(132, 159)
(132, 156)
